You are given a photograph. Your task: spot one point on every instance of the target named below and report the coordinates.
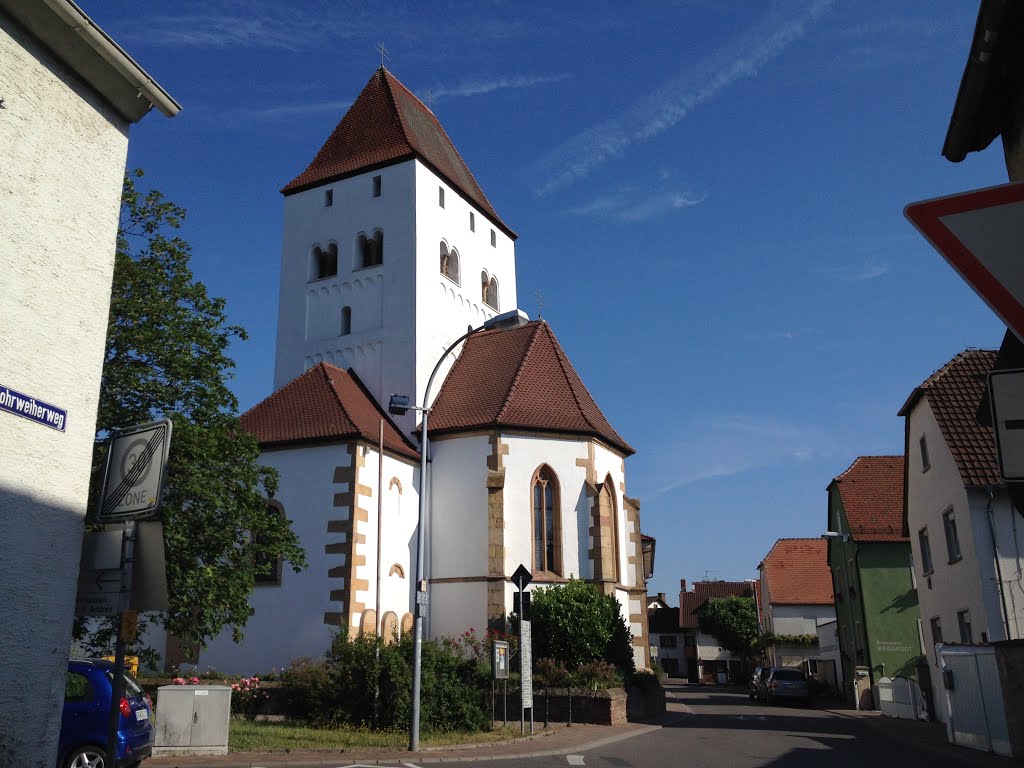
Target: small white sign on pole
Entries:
(1006, 395)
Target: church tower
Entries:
(391, 250)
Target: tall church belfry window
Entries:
(489, 290)
(449, 263)
(369, 250)
(547, 550)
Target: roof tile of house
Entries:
(687, 606)
(664, 620)
(703, 591)
(954, 393)
(872, 494)
(388, 124)
(530, 384)
(797, 573)
(324, 403)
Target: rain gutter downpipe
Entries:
(999, 568)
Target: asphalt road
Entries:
(723, 729)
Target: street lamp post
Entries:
(399, 406)
(843, 538)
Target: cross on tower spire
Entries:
(383, 54)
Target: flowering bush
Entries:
(183, 681)
(247, 696)
(473, 647)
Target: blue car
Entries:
(83, 725)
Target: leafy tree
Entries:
(166, 356)
(574, 623)
(732, 621)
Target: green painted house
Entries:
(870, 559)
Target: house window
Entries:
(494, 240)
(952, 541)
(546, 522)
(936, 626)
(667, 641)
(449, 263)
(324, 262)
(963, 620)
(328, 198)
(376, 186)
(925, 464)
(440, 196)
(926, 551)
(472, 222)
(266, 567)
(370, 250)
(346, 321)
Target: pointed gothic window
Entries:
(547, 551)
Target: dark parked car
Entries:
(755, 682)
(784, 684)
(83, 725)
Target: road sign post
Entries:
(134, 475)
(521, 578)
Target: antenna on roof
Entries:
(707, 574)
(538, 298)
(383, 54)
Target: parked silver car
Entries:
(784, 684)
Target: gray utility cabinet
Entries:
(192, 719)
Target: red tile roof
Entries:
(954, 393)
(664, 620)
(324, 403)
(687, 610)
(519, 379)
(385, 125)
(797, 573)
(703, 591)
(872, 494)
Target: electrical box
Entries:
(192, 720)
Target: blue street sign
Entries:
(30, 408)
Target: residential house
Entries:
(69, 97)
(796, 596)
(875, 594)
(708, 661)
(391, 251)
(667, 637)
(965, 533)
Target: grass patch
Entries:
(246, 735)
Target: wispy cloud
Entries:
(286, 111)
(664, 108)
(481, 86)
(723, 445)
(626, 205)
(859, 272)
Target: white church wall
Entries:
(458, 528)
(457, 607)
(445, 310)
(381, 298)
(288, 619)
(63, 150)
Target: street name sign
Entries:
(981, 235)
(134, 478)
(32, 409)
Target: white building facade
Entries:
(391, 253)
(966, 535)
(63, 147)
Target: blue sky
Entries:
(708, 194)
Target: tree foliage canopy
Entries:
(575, 623)
(167, 356)
(732, 621)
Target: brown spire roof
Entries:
(324, 403)
(872, 494)
(519, 378)
(954, 393)
(797, 573)
(386, 125)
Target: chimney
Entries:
(661, 596)
(682, 585)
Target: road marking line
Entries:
(574, 759)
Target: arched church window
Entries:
(370, 250)
(324, 262)
(547, 550)
(484, 282)
(449, 263)
(267, 568)
(346, 321)
(491, 293)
